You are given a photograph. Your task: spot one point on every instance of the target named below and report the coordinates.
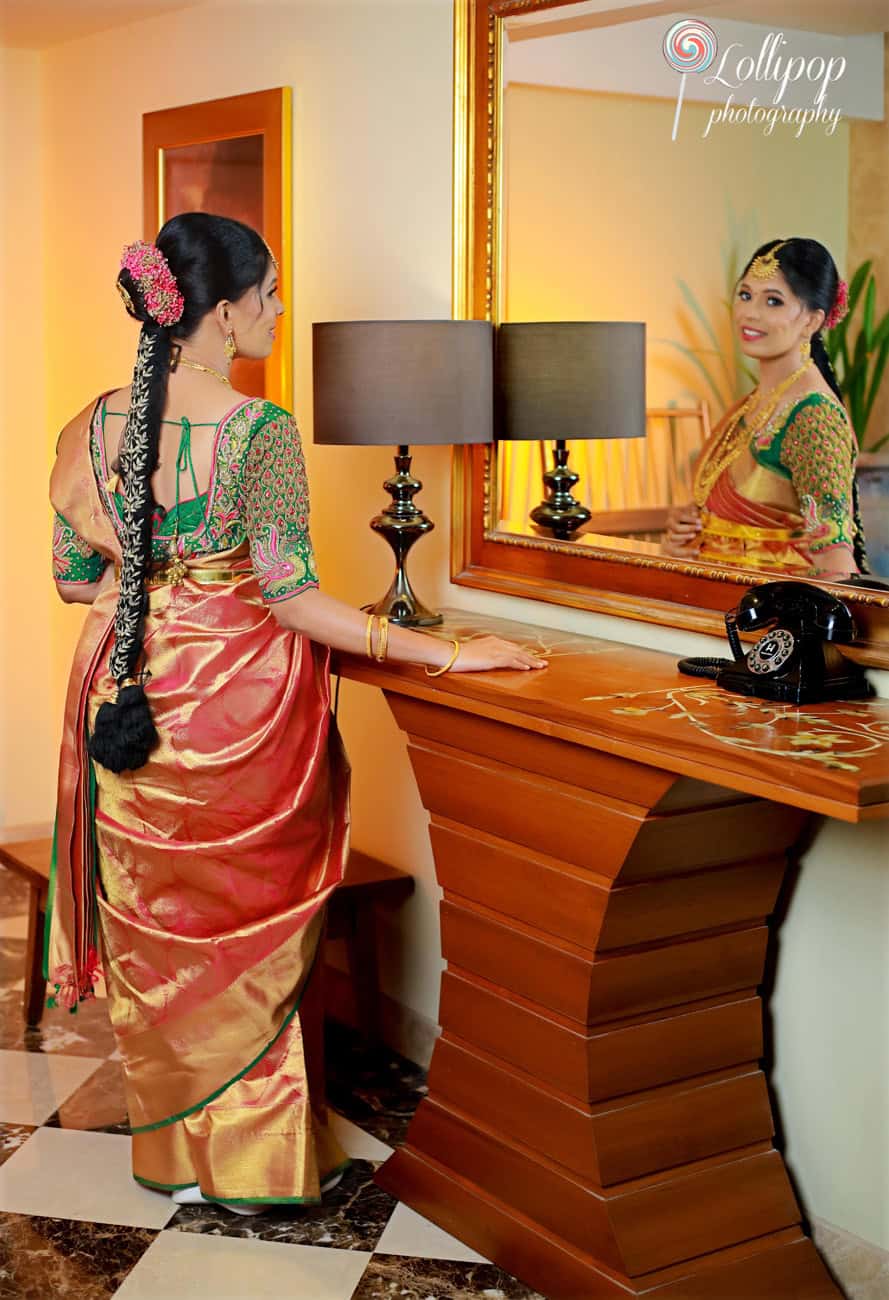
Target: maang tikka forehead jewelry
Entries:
(765, 266)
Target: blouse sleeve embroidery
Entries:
(819, 450)
(276, 510)
(73, 559)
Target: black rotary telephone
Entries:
(794, 660)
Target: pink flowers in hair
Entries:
(157, 283)
(840, 306)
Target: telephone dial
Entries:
(795, 660)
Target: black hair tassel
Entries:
(124, 734)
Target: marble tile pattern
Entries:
(75, 1226)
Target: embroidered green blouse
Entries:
(815, 448)
(258, 492)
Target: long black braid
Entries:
(212, 259)
(124, 732)
(811, 273)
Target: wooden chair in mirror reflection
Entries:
(629, 484)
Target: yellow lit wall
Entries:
(27, 730)
(603, 226)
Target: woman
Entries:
(203, 804)
(775, 486)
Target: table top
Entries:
(829, 758)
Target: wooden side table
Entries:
(368, 881)
(611, 838)
(31, 860)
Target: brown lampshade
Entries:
(403, 383)
(570, 379)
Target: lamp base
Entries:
(559, 512)
(402, 524)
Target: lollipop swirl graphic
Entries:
(689, 46)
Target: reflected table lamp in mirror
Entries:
(403, 383)
(567, 380)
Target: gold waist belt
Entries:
(715, 524)
(174, 572)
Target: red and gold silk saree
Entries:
(788, 497)
(202, 876)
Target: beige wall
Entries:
(372, 103)
(27, 731)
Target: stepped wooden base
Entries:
(597, 1120)
(784, 1266)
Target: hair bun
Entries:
(151, 290)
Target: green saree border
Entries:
(190, 1110)
(162, 1187)
(50, 896)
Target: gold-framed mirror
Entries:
(573, 201)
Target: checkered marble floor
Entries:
(75, 1226)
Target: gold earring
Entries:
(805, 351)
(231, 347)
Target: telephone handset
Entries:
(795, 660)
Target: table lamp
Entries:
(563, 380)
(403, 383)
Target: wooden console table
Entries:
(611, 838)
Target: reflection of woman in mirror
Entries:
(774, 487)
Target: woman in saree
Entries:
(202, 817)
(774, 487)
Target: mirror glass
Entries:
(632, 190)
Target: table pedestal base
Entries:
(597, 1122)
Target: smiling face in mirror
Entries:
(749, 459)
(771, 321)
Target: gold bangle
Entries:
(383, 647)
(453, 659)
(369, 633)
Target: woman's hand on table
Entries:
(484, 653)
(683, 535)
(332, 622)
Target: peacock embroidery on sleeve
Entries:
(73, 559)
(819, 450)
(276, 509)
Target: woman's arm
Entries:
(819, 450)
(84, 593)
(80, 571)
(332, 622)
(276, 520)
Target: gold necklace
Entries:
(736, 437)
(208, 370)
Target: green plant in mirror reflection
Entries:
(711, 345)
(861, 365)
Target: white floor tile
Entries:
(355, 1142)
(34, 1084)
(191, 1266)
(69, 1174)
(408, 1233)
(14, 927)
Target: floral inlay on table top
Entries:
(850, 731)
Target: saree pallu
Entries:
(751, 534)
(209, 869)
